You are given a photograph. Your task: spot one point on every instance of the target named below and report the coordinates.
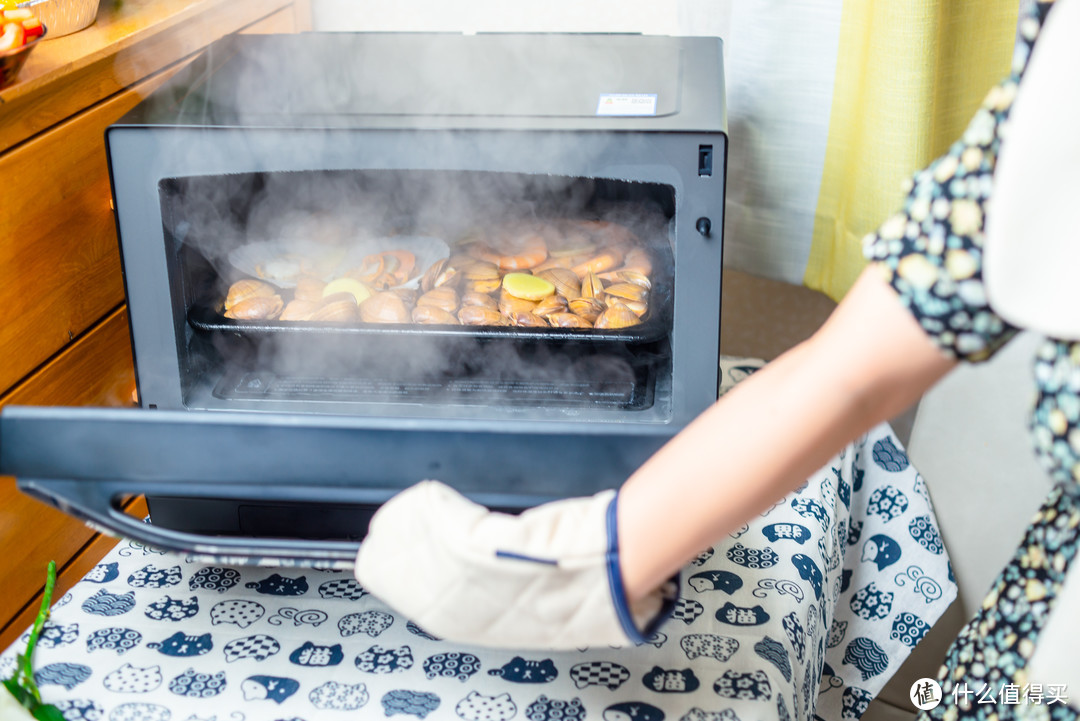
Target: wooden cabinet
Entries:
(64, 339)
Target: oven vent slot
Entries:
(266, 386)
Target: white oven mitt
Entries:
(548, 578)
(1032, 265)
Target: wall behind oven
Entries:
(779, 63)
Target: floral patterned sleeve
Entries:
(931, 251)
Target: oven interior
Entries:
(219, 229)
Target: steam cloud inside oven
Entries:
(224, 227)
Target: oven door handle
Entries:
(98, 505)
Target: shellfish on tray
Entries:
(403, 279)
(284, 263)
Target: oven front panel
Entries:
(176, 262)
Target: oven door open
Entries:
(87, 461)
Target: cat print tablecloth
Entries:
(806, 611)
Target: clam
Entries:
(298, 309)
(551, 304)
(478, 315)
(588, 308)
(626, 291)
(260, 307)
(508, 304)
(246, 288)
(568, 320)
(566, 282)
(483, 285)
(431, 315)
(635, 277)
(640, 308)
(528, 320)
(617, 315)
(479, 270)
(385, 307)
(336, 308)
(471, 297)
(445, 298)
(591, 286)
(439, 274)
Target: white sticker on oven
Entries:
(627, 104)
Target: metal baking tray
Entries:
(206, 315)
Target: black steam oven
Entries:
(354, 261)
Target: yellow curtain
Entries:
(909, 76)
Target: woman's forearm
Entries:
(868, 363)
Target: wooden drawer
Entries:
(130, 41)
(59, 257)
(96, 370)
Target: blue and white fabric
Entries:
(805, 612)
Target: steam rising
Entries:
(453, 197)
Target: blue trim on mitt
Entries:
(522, 557)
(618, 589)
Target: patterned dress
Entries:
(931, 252)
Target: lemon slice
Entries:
(348, 285)
(527, 287)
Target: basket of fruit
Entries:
(20, 32)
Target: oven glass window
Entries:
(460, 290)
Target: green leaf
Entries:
(46, 712)
(27, 669)
(21, 695)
